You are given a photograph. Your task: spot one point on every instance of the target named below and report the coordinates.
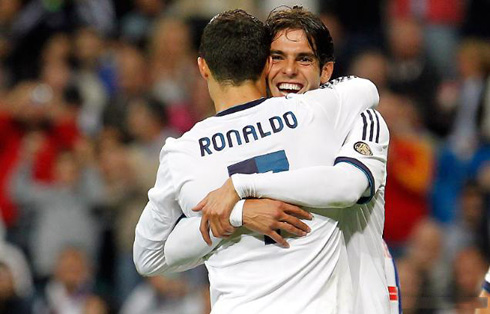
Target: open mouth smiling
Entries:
(288, 88)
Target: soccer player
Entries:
(300, 64)
(294, 63)
(246, 274)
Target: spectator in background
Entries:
(137, 23)
(57, 48)
(424, 252)
(468, 270)
(410, 73)
(95, 305)
(440, 21)
(373, 65)
(88, 50)
(10, 301)
(473, 62)
(465, 150)
(410, 168)
(132, 82)
(29, 107)
(173, 70)
(147, 125)
(411, 285)
(39, 19)
(169, 294)
(69, 290)
(63, 208)
(463, 232)
(16, 288)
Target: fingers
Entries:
(221, 228)
(204, 228)
(199, 205)
(296, 226)
(292, 229)
(278, 239)
(296, 211)
(216, 229)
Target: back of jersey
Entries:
(248, 273)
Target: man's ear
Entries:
(327, 71)
(203, 68)
(268, 66)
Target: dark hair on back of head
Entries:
(317, 33)
(236, 46)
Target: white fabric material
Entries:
(341, 187)
(181, 257)
(185, 248)
(246, 275)
(391, 280)
(236, 216)
(345, 185)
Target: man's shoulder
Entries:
(195, 132)
(188, 143)
(351, 90)
(343, 80)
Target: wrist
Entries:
(241, 185)
(236, 216)
(234, 197)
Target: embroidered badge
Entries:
(363, 149)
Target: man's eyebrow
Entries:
(301, 54)
(306, 54)
(278, 52)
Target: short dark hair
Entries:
(316, 32)
(236, 46)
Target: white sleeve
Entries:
(366, 148)
(353, 95)
(317, 187)
(185, 248)
(356, 95)
(160, 215)
(359, 170)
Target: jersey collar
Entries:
(241, 107)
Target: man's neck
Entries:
(227, 96)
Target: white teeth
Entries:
(290, 86)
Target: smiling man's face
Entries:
(295, 68)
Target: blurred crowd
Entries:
(90, 90)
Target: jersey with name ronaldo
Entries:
(248, 273)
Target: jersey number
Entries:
(275, 162)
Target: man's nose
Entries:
(290, 68)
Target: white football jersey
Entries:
(248, 273)
(362, 225)
(366, 149)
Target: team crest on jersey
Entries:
(363, 149)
